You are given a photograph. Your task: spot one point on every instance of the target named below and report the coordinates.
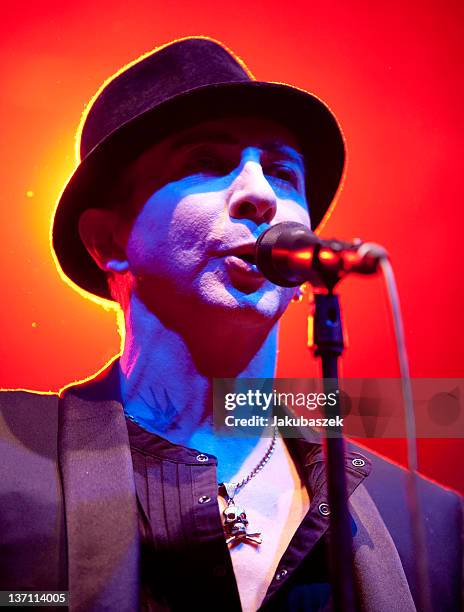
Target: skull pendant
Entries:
(234, 514)
(235, 526)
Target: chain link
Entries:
(261, 464)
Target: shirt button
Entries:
(324, 509)
(202, 458)
(204, 499)
(358, 462)
(281, 574)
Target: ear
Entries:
(101, 232)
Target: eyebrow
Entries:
(218, 137)
(279, 149)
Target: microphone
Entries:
(289, 254)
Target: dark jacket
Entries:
(68, 516)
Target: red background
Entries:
(391, 71)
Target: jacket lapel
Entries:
(379, 573)
(100, 500)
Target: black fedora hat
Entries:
(186, 81)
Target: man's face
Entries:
(201, 198)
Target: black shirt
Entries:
(185, 562)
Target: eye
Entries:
(284, 173)
(206, 162)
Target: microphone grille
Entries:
(272, 249)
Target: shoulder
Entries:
(22, 398)
(29, 417)
(31, 504)
(388, 482)
(442, 511)
(26, 408)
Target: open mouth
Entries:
(248, 257)
(241, 264)
(241, 261)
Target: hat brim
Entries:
(308, 118)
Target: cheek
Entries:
(194, 222)
(289, 210)
(173, 231)
(149, 235)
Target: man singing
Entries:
(112, 489)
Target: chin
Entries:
(254, 308)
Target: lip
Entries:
(247, 248)
(244, 274)
(235, 263)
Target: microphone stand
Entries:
(328, 341)
(289, 254)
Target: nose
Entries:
(252, 196)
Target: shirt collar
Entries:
(307, 452)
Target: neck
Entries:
(167, 377)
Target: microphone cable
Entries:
(412, 490)
(289, 254)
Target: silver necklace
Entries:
(235, 518)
